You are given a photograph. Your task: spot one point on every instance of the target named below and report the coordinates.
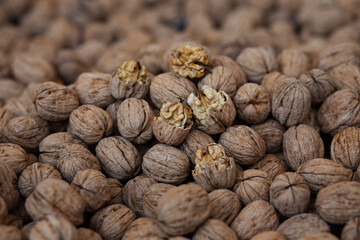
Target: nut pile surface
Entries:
(184, 119)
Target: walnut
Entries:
(5, 116)
(182, 209)
(74, 158)
(173, 124)
(152, 196)
(53, 227)
(269, 235)
(190, 60)
(116, 191)
(118, 157)
(33, 175)
(292, 62)
(270, 82)
(27, 131)
(29, 67)
(44, 46)
(134, 191)
(151, 57)
(169, 87)
(21, 105)
(93, 187)
(339, 111)
(237, 73)
(85, 234)
(213, 169)
(195, 140)
(319, 236)
(144, 228)
(8, 186)
(166, 164)
(252, 103)
(212, 228)
(89, 51)
(257, 62)
(90, 123)
(135, 119)
(93, 88)
(253, 185)
(220, 79)
(272, 165)
(130, 81)
(10, 232)
(243, 144)
(301, 225)
(112, 109)
(319, 83)
(112, 222)
(288, 94)
(10, 89)
(257, 217)
(351, 230)
(346, 195)
(213, 111)
(15, 156)
(302, 143)
(69, 66)
(52, 145)
(319, 173)
(346, 76)
(55, 196)
(225, 205)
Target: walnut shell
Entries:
(170, 87)
(269, 235)
(257, 62)
(55, 102)
(53, 227)
(270, 82)
(3, 210)
(10, 89)
(214, 229)
(52, 145)
(195, 140)
(112, 109)
(237, 72)
(346, 76)
(135, 119)
(75, 158)
(244, 144)
(116, 191)
(144, 228)
(33, 175)
(118, 157)
(319, 83)
(85, 234)
(112, 222)
(55, 196)
(8, 187)
(151, 57)
(166, 164)
(301, 225)
(182, 209)
(339, 111)
(272, 165)
(134, 191)
(345, 148)
(93, 88)
(225, 205)
(221, 79)
(253, 185)
(152, 196)
(90, 123)
(288, 94)
(252, 103)
(257, 217)
(15, 156)
(346, 195)
(319, 173)
(10, 232)
(5, 116)
(27, 131)
(290, 194)
(302, 143)
(351, 230)
(319, 236)
(93, 187)
(292, 62)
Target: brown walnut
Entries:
(269, 235)
(144, 228)
(8, 187)
(292, 62)
(271, 80)
(214, 229)
(351, 230)
(116, 191)
(225, 205)
(236, 70)
(272, 165)
(86, 234)
(10, 232)
(152, 196)
(15, 156)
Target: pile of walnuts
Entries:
(196, 119)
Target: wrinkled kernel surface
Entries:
(209, 99)
(132, 72)
(190, 61)
(176, 114)
(214, 156)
